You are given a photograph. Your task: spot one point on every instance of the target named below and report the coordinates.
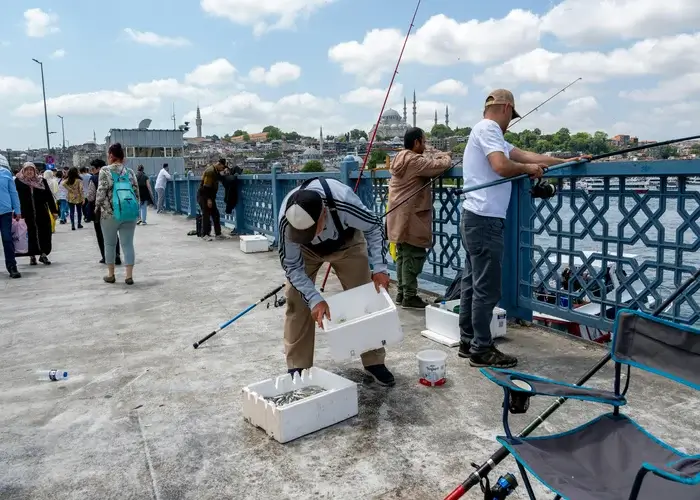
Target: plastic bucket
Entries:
(432, 367)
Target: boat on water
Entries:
(639, 185)
(571, 282)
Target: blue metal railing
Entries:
(628, 231)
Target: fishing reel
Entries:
(542, 189)
(504, 486)
(278, 302)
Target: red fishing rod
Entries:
(379, 119)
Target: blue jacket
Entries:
(9, 201)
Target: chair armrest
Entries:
(685, 470)
(533, 385)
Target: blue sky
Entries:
(328, 63)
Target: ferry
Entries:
(639, 185)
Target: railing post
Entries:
(346, 166)
(192, 191)
(277, 198)
(517, 264)
(177, 197)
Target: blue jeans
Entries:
(8, 246)
(125, 230)
(483, 241)
(63, 208)
(143, 210)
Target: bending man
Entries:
(324, 221)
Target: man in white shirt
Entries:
(162, 181)
(489, 157)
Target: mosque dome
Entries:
(391, 114)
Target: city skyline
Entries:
(316, 63)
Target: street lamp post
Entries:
(46, 114)
(63, 132)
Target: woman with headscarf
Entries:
(36, 201)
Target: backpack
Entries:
(125, 205)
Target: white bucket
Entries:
(432, 367)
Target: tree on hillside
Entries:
(440, 131)
(459, 148)
(239, 132)
(292, 136)
(246, 137)
(695, 149)
(356, 133)
(273, 155)
(665, 152)
(562, 140)
(273, 133)
(376, 158)
(462, 132)
(313, 166)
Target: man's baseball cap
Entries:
(502, 96)
(304, 208)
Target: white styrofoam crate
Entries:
(442, 325)
(286, 423)
(361, 320)
(252, 243)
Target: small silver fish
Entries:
(296, 395)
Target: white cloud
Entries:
(585, 21)
(674, 89)
(216, 72)
(441, 41)
(448, 87)
(263, 15)
(372, 97)
(102, 102)
(58, 54)
(169, 87)
(10, 85)
(279, 73)
(581, 114)
(38, 23)
(154, 39)
(304, 113)
(648, 57)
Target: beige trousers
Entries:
(351, 265)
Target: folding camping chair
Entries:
(611, 457)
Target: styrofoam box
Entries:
(361, 320)
(286, 423)
(252, 243)
(442, 325)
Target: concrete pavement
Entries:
(145, 416)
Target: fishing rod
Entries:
(482, 471)
(379, 118)
(411, 195)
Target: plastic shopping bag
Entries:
(20, 236)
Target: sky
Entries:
(305, 64)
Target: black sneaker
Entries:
(399, 298)
(414, 302)
(14, 273)
(492, 358)
(102, 261)
(117, 262)
(381, 374)
(465, 351)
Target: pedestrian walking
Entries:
(96, 165)
(161, 183)
(145, 194)
(10, 210)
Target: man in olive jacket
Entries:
(410, 226)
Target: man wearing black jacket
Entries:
(207, 199)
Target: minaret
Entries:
(436, 117)
(94, 136)
(321, 141)
(405, 112)
(447, 116)
(414, 108)
(198, 122)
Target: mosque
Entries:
(393, 126)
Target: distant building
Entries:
(151, 148)
(260, 137)
(198, 123)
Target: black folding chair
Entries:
(611, 457)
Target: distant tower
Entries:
(405, 111)
(414, 108)
(320, 135)
(436, 117)
(447, 116)
(198, 122)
